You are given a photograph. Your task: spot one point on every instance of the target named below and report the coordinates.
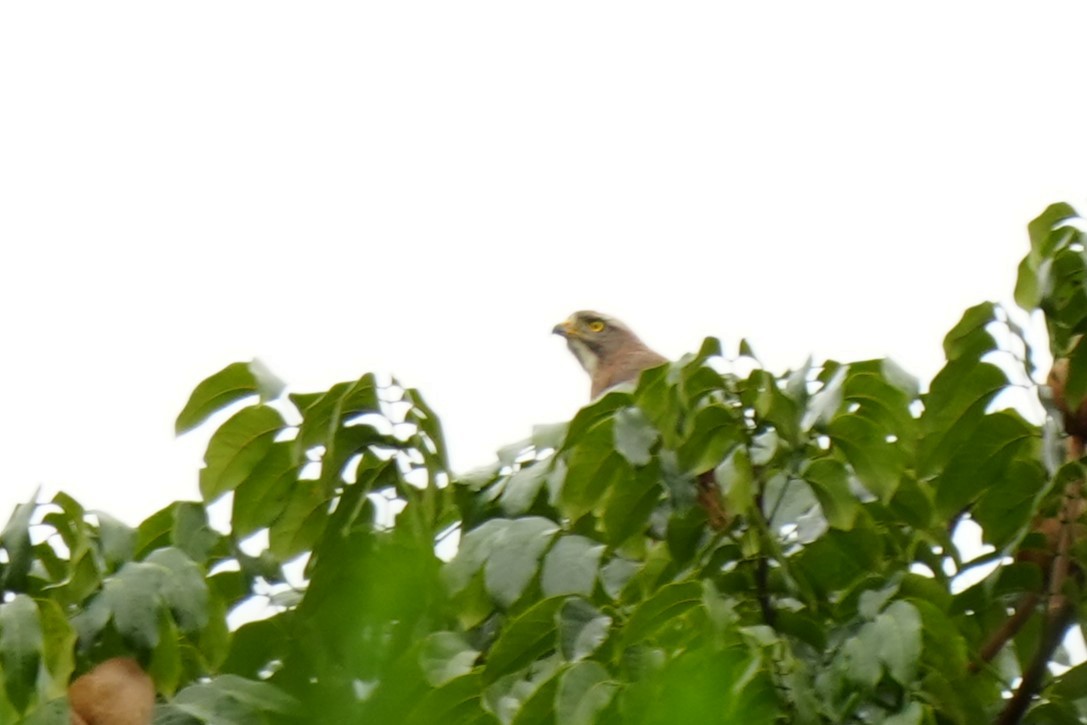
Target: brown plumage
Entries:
(608, 350)
(612, 354)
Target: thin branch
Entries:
(762, 573)
(1009, 629)
(1055, 627)
(1059, 610)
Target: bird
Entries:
(609, 351)
(612, 354)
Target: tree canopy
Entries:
(578, 578)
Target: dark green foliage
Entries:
(588, 585)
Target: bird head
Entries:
(595, 338)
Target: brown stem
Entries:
(1056, 624)
(1008, 630)
(1059, 611)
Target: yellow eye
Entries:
(596, 325)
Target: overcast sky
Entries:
(425, 189)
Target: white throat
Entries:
(584, 355)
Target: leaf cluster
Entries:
(579, 579)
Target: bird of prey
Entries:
(607, 349)
(612, 354)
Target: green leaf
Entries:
(54, 712)
(1041, 227)
(236, 449)
(883, 403)
(714, 431)
(570, 567)
(615, 574)
(549, 435)
(1008, 504)
(118, 540)
(771, 405)
(426, 420)
(1028, 287)
(539, 707)
(912, 714)
(1072, 684)
(523, 487)
(132, 595)
(512, 563)
(705, 685)
(879, 463)
(232, 700)
(58, 643)
(584, 691)
(183, 588)
(213, 640)
(15, 538)
(634, 436)
(593, 468)
(997, 440)
(898, 633)
(20, 649)
(255, 644)
(582, 629)
(457, 701)
(324, 415)
(829, 479)
(954, 405)
(475, 546)
(630, 502)
(154, 531)
(736, 478)
(231, 384)
(446, 656)
(525, 638)
(826, 402)
(263, 496)
(166, 667)
(662, 609)
(859, 659)
(301, 523)
(191, 532)
(912, 503)
(969, 338)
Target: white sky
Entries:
(427, 188)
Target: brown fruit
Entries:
(116, 692)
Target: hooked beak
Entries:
(564, 329)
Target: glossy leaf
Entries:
(634, 436)
(660, 609)
(515, 559)
(237, 448)
(20, 648)
(233, 383)
(570, 567)
(582, 629)
(446, 656)
(736, 478)
(584, 691)
(525, 638)
(829, 480)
